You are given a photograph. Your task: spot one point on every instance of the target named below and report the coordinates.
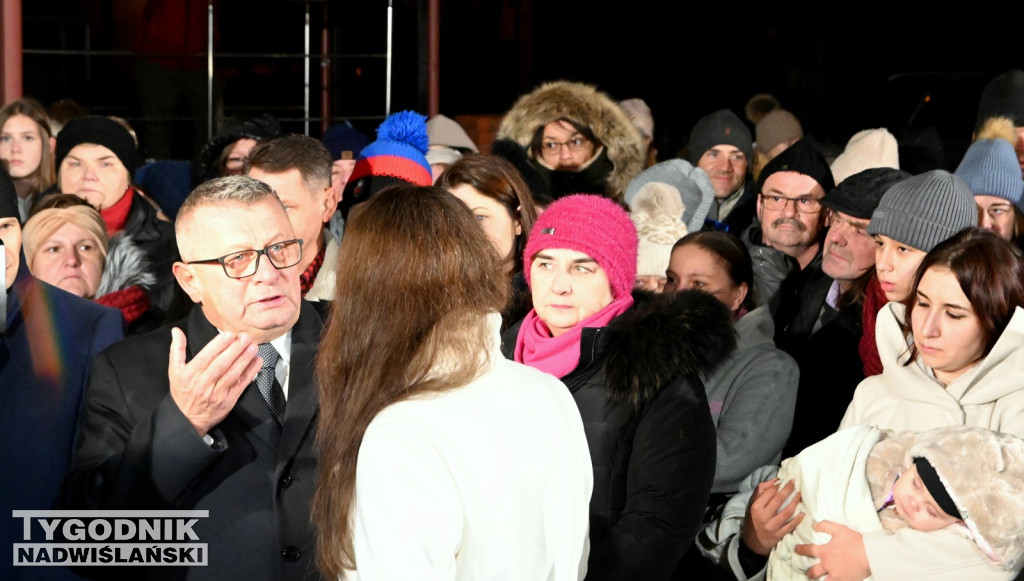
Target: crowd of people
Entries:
(410, 358)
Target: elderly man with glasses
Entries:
(216, 412)
(785, 241)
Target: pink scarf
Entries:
(559, 355)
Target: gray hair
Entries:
(242, 190)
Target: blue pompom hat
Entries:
(397, 156)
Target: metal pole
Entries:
(209, 71)
(325, 74)
(12, 51)
(387, 95)
(433, 57)
(305, 101)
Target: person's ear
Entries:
(740, 296)
(330, 203)
(53, 144)
(189, 282)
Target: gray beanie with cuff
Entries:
(925, 209)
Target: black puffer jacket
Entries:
(651, 437)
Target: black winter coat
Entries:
(647, 422)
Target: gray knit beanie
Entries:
(924, 210)
(722, 127)
(990, 168)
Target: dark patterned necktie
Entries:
(267, 383)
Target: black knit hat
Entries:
(804, 156)
(1003, 97)
(8, 196)
(258, 128)
(722, 127)
(859, 194)
(98, 130)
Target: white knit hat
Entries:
(867, 149)
(656, 211)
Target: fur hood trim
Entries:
(585, 105)
(126, 266)
(997, 128)
(663, 338)
(983, 472)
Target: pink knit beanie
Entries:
(594, 225)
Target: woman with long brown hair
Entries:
(438, 457)
(503, 205)
(26, 149)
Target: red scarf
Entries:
(132, 301)
(307, 278)
(560, 355)
(115, 216)
(874, 300)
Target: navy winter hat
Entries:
(344, 141)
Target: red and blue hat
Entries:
(398, 156)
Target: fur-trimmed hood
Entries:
(588, 106)
(983, 472)
(126, 265)
(663, 338)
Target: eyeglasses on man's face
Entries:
(802, 205)
(245, 263)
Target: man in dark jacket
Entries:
(188, 417)
(48, 338)
(720, 144)
(823, 322)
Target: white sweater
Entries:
(491, 481)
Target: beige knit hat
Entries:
(777, 126)
(657, 212)
(983, 472)
(446, 131)
(867, 149)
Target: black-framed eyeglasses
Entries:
(245, 263)
(802, 205)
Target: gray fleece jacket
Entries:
(752, 395)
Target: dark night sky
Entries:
(839, 68)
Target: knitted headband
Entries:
(99, 131)
(931, 481)
(594, 225)
(44, 223)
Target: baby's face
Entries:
(915, 504)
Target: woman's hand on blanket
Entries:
(842, 558)
(767, 519)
